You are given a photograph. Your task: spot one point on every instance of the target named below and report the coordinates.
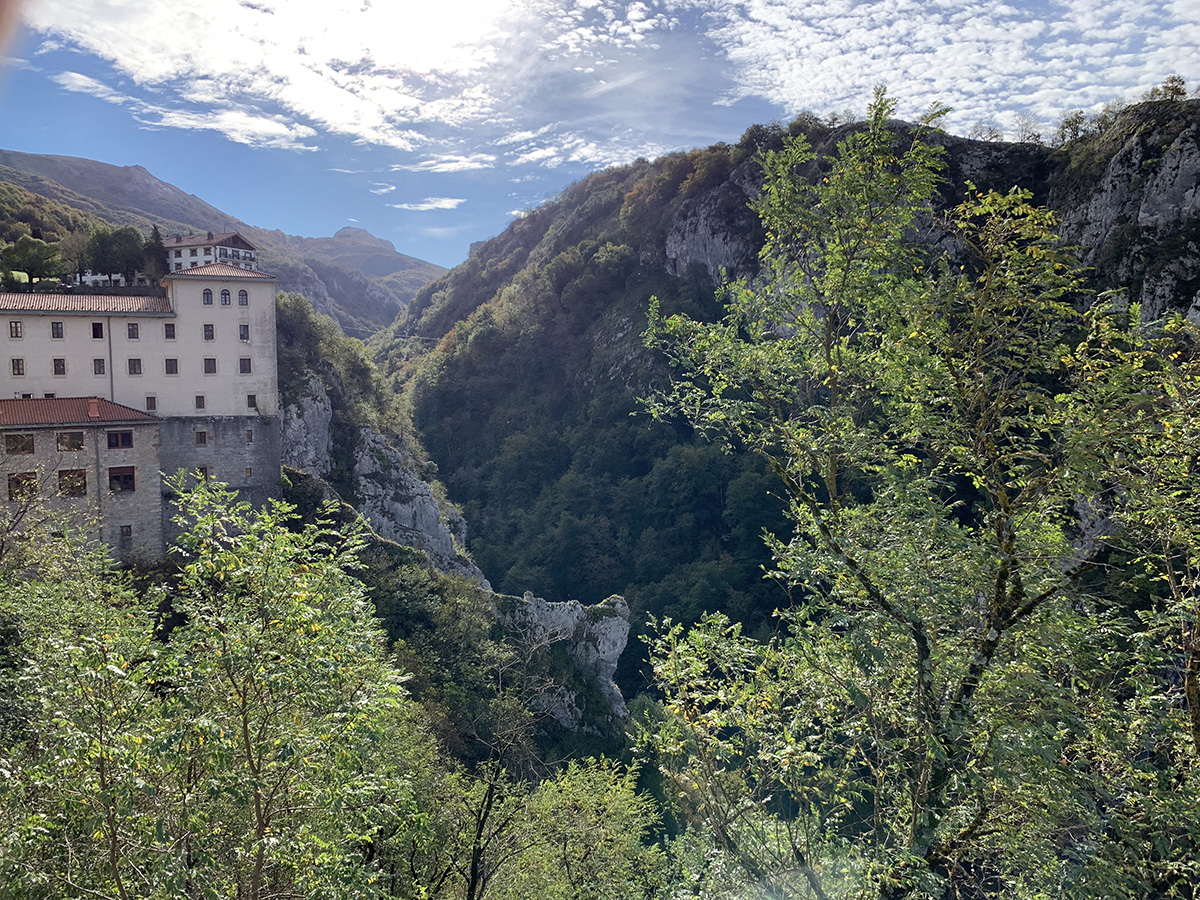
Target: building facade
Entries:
(199, 363)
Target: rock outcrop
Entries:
(397, 503)
(595, 637)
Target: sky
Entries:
(433, 124)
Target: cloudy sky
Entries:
(432, 123)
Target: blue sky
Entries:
(432, 124)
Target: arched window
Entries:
(224, 298)
(207, 297)
(243, 298)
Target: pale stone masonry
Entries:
(198, 363)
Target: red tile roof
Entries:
(100, 304)
(67, 411)
(217, 270)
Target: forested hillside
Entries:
(523, 367)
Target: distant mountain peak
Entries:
(362, 236)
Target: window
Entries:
(210, 365)
(151, 403)
(199, 401)
(207, 297)
(131, 331)
(171, 366)
(224, 298)
(178, 266)
(22, 486)
(121, 480)
(49, 395)
(59, 365)
(18, 443)
(252, 401)
(243, 332)
(56, 330)
(201, 438)
(72, 482)
(14, 329)
(192, 252)
(204, 472)
(119, 440)
(98, 331)
(125, 537)
(243, 298)
(97, 366)
(135, 366)
(210, 333)
(249, 435)
(244, 365)
(178, 253)
(18, 366)
(249, 472)
(169, 331)
(70, 440)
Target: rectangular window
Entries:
(178, 253)
(49, 395)
(72, 482)
(171, 366)
(209, 333)
(70, 440)
(131, 331)
(201, 438)
(14, 329)
(151, 403)
(135, 366)
(97, 331)
(192, 252)
(56, 330)
(249, 472)
(97, 366)
(200, 401)
(210, 365)
(249, 435)
(204, 472)
(22, 486)
(243, 332)
(18, 443)
(178, 266)
(59, 365)
(169, 331)
(119, 440)
(121, 479)
(244, 365)
(18, 366)
(252, 401)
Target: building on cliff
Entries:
(186, 381)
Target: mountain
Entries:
(522, 366)
(355, 277)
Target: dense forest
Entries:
(899, 492)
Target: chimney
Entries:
(93, 408)
(210, 235)
(178, 239)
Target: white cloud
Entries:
(450, 162)
(431, 203)
(378, 188)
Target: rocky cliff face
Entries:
(393, 499)
(595, 637)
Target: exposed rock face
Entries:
(394, 500)
(400, 506)
(596, 636)
(306, 443)
(717, 231)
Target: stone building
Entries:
(199, 363)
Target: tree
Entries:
(129, 252)
(72, 249)
(33, 256)
(1174, 87)
(155, 252)
(101, 253)
(942, 713)
(255, 750)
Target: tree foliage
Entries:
(946, 709)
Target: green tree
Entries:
(156, 264)
(36, 258)
(942, 712)
(101, 253)
(129, 252)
